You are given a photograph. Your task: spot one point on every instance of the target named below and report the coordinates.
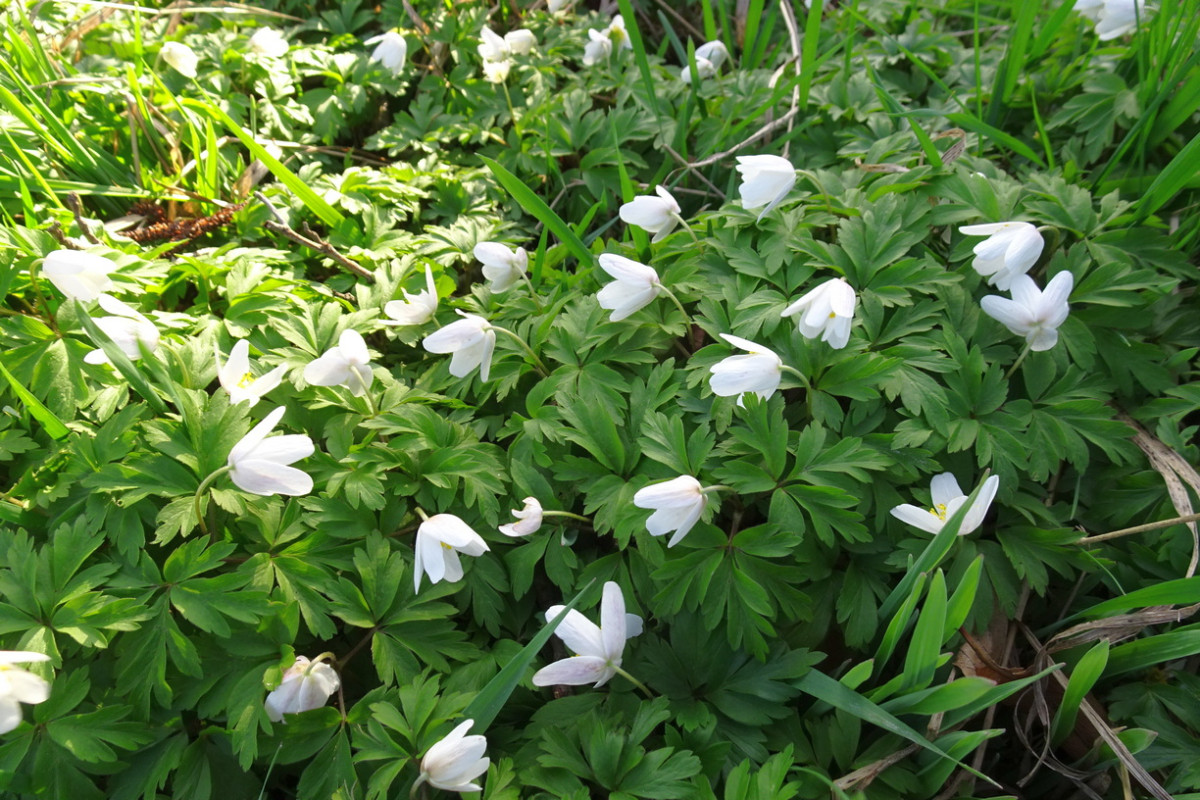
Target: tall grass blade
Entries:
(543, 213)
(52, 424)
(1183, 169)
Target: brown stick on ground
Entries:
(312, 241)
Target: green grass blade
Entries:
(823, 687)
(1182, 169)
(926, 643)
(808, 50)
(896, 110)
(492, 697)
(963, 598)
(53, 425)
(313, 201)
(1015, 56)
(639, 52)
(1152, 650)
(899, 623)
(753, 16)
(1182, 591)
(999, 137)
(537, 207)
(1083, 678)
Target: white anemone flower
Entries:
(471, 340)
(1009, 251)
(828, 312)
(1033, 313)
(657, 215)
(346, 364)
(529, 519)
(78, 275)
(948, 498)
(237, 379)
(758, 372)
(416, 309)
(496, 71)
(520, 42)
(636, 285)
(453, 763)
(439, 541)
(709, 58)
(599, 48)
(391, 49)
(766, 180)
(181, 58)
(128, 329)
(260, 465)
(557, 6)
(493, 47)
(598, 650)
(677, 503)
(19, 686)
(269, 42)
(501, 266)
(617, 34)
(306, 685)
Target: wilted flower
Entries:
(471, 340)
(635, 286)
(127, 329)
(758, 372)
(501, 266)
(78, 275)
(947, 499)
(439, 541)
(598, 649)
(1010, 250)
(237, 379)
(269, 42)
(181, 57)
(657, 215)
(260, 465)
(529, 519)
(390, 51)
(453, 763)
(599, 48)
(766, 180)
(417, 309)
(1032, 313)
(828, 312)
(496, 71)
(19, 686)
(347, 364)
(678, 504)
(306, 685)
(520, 42)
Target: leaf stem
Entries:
(537, 362)
(204, 484)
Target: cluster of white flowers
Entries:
(498, 51)
(1113, 18)
(601, 44)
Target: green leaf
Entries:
(1083, 678)
(543, 213)
(53, 425)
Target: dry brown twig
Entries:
(312, 241)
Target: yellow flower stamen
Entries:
(939, 511)
(246, 381)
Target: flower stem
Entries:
(537, 362)
(533, 293)
(420, 513)
(686, 318)
(683, 223)
(204, 484)
(716, 487)
(419, 783)
(645, 690)
(566, 514)
(1017, 363)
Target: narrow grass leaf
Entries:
(963, 598)
(898, 625)
(1184, 167)
(1083, 678)
(1182, 591)
(120, 361)
(926, 643)
(1015, 55)
(53, 425)
(823, 687)
(537, 207)
(639, 52)
(492, 697)
(1152, 650)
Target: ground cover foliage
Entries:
(801, 641)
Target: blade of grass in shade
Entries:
(963, 598)
(52, 424)
(926, 643)
(808, 49)
(896, 110)
(31, 170)
(639, 52)
(898, 624)
(537, 207)
(313, 201)
(1049, 29)
(971, 123)
(1152, 650)
(1083, 678)
(1015, 56)
(1172, 179)
(120, 361)
(640, 240)
(931, 556)
(753, 17)
(491, 698)
(672, 37)
(823, 687)
(710, 22)
(1183, 591)
(997, 694)
(1037, 120)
